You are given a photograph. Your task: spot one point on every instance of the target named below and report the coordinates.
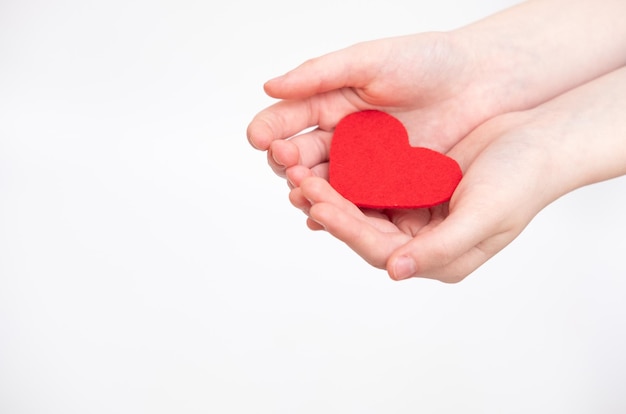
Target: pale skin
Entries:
(472, 94)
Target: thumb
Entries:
(351, 67)
(451, 250)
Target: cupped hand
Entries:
(514, 165)
(441, 85)
(449, 241)
(432, 82)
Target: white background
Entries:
(150, 262)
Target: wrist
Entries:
(583, 132)
(524, 54)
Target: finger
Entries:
(297, 173)
(299, 201)
(285, 119)
(347, 223)
(318, 190)
(309, 150)
(313, 147)
(373, 245)
(437, 248)
(314, 225)
(411, 221)
(280, 121)
(351, 67)
(279, 156)
(468, 262)
(321, 170)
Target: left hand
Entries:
(446, 242)
(514, 166)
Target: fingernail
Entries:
(274, 158)
(404, 267)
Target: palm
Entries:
(452, 238)
(398, 227)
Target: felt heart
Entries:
(373, 165)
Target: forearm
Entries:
(542, 48)
(584, 131)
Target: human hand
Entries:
(514, 164)
(441, 85)
(423, 80)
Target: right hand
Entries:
(431, 82)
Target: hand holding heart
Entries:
(438, 103)
(459, 94)
(449, 240)
(514, 165)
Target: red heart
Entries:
(373, 165)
